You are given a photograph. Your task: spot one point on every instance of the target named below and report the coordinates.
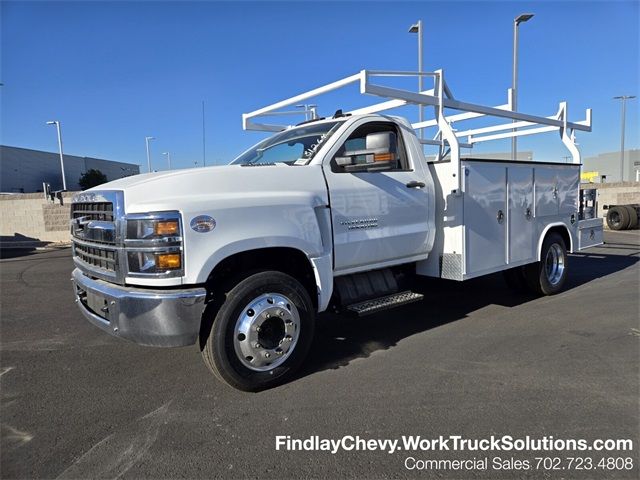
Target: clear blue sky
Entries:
(115, 72)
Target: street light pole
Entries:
(417, 28)
(168, 154)
(146, 140)
(514, 81)
(624, 99)
(64, 179)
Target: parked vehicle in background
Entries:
(339, 212)
(622, 217)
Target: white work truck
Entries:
(333, 213)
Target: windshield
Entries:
(295, 146)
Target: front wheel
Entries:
(261, 333)
(547, 276)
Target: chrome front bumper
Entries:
(162, 318)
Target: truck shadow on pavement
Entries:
(341, 339)
(18, 245)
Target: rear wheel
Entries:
(261, 333)
(618, 218)
(547, 276)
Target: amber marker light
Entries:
(383, 157)
(170, 227)
(168, 261)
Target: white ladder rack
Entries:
(440, 98)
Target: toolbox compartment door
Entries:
(521, 224)
(546, 192)
(485, 217)
(590, 233)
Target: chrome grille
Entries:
(96, 256)
(93, 211)
(96, 217)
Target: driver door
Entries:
(379, 208)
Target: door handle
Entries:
(415, 184)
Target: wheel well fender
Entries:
(235, 267)
(559, 228)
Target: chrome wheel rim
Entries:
(266, 332)
(554, 264)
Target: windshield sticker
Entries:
(310, 152)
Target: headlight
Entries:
(152, 228)
(153, 262)
(154, 244)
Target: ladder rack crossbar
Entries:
(298, 98)
(430, 100)
(494, 128)
(436, 143)
(519, 133)
(455, 118)
(381, 107)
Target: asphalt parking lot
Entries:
(473, 359)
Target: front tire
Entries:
(261, 333)
(547, 276)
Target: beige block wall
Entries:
(27, 217)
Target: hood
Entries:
(148, 178)
(172, 190)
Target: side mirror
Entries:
(379, 154)
(343, 161)
(381, 142)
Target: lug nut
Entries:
(281, 313)
(267, 355)
(257, 329)
(258, 345)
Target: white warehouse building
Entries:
(607, 165)
(23, 170)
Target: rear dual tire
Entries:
(546, 277)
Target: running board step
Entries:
(384, 303)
